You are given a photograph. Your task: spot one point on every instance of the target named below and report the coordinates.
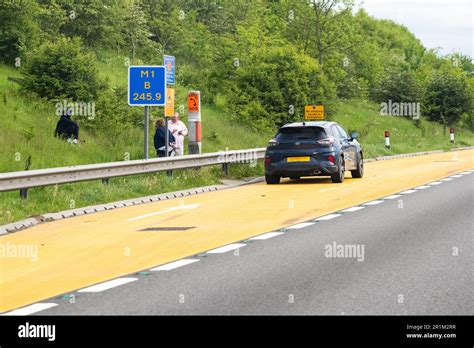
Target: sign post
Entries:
(146, 87)
(314, 112)
(194, 122)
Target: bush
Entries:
(62, 70)
(276, 86)
(449, 98)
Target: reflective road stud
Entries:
(387, 139)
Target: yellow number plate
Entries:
(298, 159)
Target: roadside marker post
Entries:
(146, 87)
(387, 139)
(194, 122)
(451, 135)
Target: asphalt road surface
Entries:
(412, 254)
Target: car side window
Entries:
(343, 132)
(335, 132)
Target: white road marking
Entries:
(108, 285)
(266, 236)
(392, 197)
(422, 187)
(407, 192)
(350, 210)
(301, 225)
(446, 179)
(455, 176)
(175, 264)
(36, 307)
(328, 217)
(435, 183)
(226, 248)
(465, 173)
(164, 211)
(373, 202)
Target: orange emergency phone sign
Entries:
(193, 102)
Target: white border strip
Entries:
(108, 285)
(267, 236)
(174, 265)
(226, 248)
(36, 307)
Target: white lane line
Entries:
(422, 187)
(407, 192)
(373, 202)
(392, 197)
(266, 236)
(446, 179)
(350, 210)
(455, 176)
(465, 173)
(36, 307)
(435, 183)
(301, 225)
(226, 248)
(108, 285)
(175, 264)
(327, 217)
(164, 211)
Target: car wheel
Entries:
(295, 177)
(359, 172)
(272, 179)
(338, 177)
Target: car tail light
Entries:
(267, 161)
(326, 142)
(273, 142)
(331, 159)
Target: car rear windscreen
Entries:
(300, 133)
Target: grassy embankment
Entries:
(27, 126)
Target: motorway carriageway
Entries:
(82, 251)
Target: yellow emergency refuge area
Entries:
(78, 252)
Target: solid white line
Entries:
(408, 192)
(465, 173)
(108, 285)
(266, 236)
(422, 187)
(435, 183)
(36, 307)
(301, 225)
(446, 179)
(392, 197)
(164, 211)
(226, 248)
(350, 210)
(373, 202)
(328, 217)
(455, 176)
(175, 264)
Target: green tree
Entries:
(18, 29)
(62, 69)
(448, 97)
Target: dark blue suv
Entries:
(313, 149)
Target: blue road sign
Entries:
(146, 85)
(168, 62)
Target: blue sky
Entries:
(447, 24)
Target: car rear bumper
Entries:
(285, 169)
